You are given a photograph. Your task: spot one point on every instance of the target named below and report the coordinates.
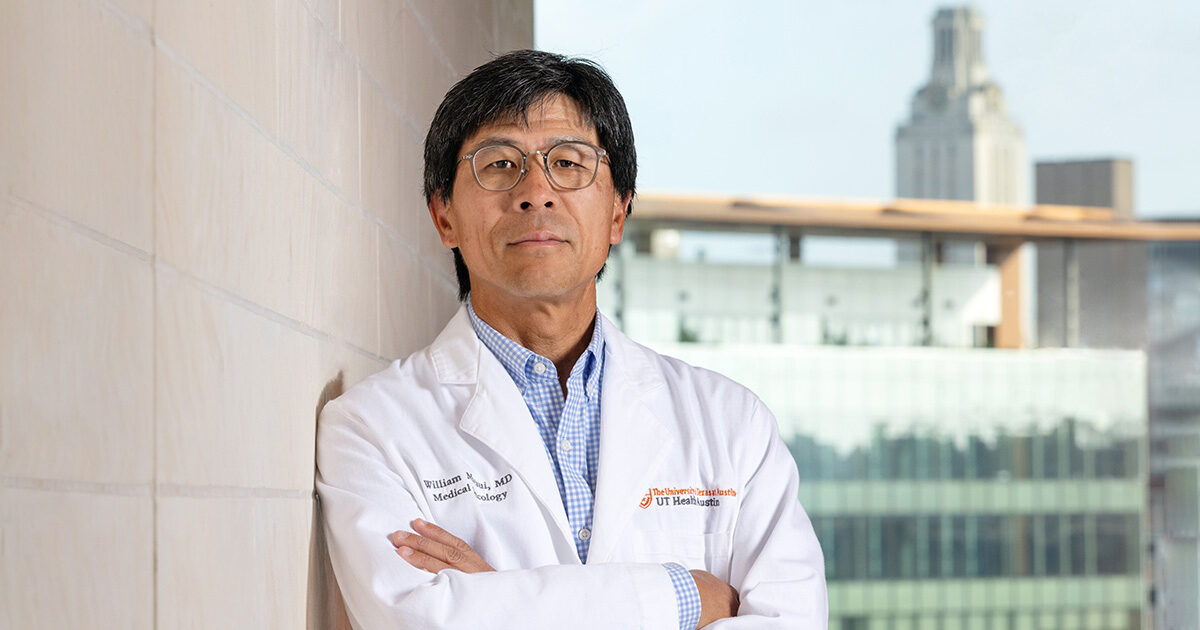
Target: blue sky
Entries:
(803, 98)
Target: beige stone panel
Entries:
(231, 208)
(485, 17)
(328, 13)
(404, 295)
(232, 43)
(142, 10)
(342, 367)
(75, 115)
(391, 162)
(235, 393)
(346, 298)
(352, 364)
(461, 28)
(74, 560)
(430, 78)
(76, 369)
(232, 562)
(514, 25)
(318, 92)
(373, 30)
(414, 206)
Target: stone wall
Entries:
(210, 223)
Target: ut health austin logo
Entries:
(646, 501)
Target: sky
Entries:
(803, 98)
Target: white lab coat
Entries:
(445, 435)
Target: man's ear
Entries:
(440, 212)
(619, 210)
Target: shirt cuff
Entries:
(687, 596)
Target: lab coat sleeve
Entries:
(363, 500)
(777, 566)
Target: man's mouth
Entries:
(540, 237)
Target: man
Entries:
(533, 467)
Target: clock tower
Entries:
(959, 142)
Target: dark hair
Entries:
(504, 89)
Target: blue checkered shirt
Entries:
(572, 424)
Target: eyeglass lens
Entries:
(572, 165)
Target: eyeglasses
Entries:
(571, 165)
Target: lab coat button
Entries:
(584, 533)
(539, 368)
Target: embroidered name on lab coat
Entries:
(447, 488)
(677, 497)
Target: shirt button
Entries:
(584, 534)
(591, 391)
(566, 445)
(539, 368)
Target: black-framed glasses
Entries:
(571, 165)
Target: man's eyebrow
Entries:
(494, 140)
(559, 139)
(506, 140)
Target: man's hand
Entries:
(433, 549)
(718, 600)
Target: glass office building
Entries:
(1174, 365)
(952, 485)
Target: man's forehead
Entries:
(556, 112)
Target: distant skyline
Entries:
(801, 98)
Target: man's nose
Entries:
(535, 189)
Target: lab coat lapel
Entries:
(634, 443)
(496, 414)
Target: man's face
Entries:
(535, 240)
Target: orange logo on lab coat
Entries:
(693, 496)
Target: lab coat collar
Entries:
(496, 413)
(455, 351)
(634, 442)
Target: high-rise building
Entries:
(960, 142)
(1104, 182)
(1113, 294)
(1174, 393)
(1091, 294)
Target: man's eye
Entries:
(501, 165)
(563, 163)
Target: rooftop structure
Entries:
(959, 141)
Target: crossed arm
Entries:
(776, 564)
(433, 549)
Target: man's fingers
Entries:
(455, 550)
(422, 560)
(464, 559)
(425, 545)
(429, 530)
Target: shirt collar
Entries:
(521, 362)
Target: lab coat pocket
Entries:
(693, 550)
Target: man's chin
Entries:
(542, 293)
(544, 288)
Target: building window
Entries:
(1114, 533)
